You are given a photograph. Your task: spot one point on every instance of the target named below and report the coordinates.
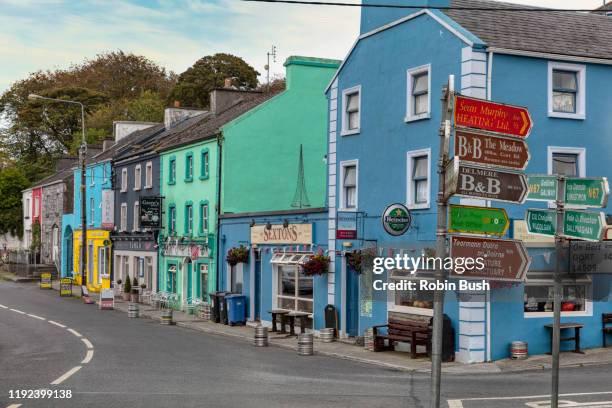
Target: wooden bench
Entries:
(606, 318)
(407, 328)
(575, 338)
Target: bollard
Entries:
(327, 335)
(133, 310)
(305, 344)
(260, 338)
(166, 317)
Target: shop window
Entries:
(418, 163)
(149, 175)
(189, 167)
(204, 281)
(236, 278)
(419, 100)
(538, 299)
(149, 272)
(103, 263)
(566, 90)
(171, 279)
(172, 171)
(294, 288)
(205, 164)
(351, 111)
(137, 177)
(410, 301)
(348, 185)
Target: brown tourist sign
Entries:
(504, 259)
(490, 150)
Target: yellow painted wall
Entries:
(97, 238)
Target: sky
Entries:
(49, 34)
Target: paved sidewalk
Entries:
(388, 359)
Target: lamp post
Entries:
(82, 152)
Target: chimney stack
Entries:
(227, 83)
(177, 104)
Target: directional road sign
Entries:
(587, 226)
(587, 192)
(478, 220)
(542, 222)
(542, 188)
(491, 116)
(490, 150)
(471, 181)
(504, 260)
(591, 257)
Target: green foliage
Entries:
(12, 182)
(194, 85)
(135, 282)
(35, 245)
(127, 287)
(237, 255)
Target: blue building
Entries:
(383, 148)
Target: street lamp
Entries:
(82, 152)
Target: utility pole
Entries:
(438, 307)
(267, 67)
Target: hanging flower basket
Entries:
(354, 261)
(316, 265)
(237, 255)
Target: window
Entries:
(172, 219)
(103, 262)
(348, 187)
(416, 301)
(568, 161)
(204, 282)
(149, 175)
(294, 289)
(351, 110)
(149, 272)
(36, 206)
(203, 218)
(236, 278)
(204, 169)
(27, 208)
(171, 279)
(188, 218)
(137, 177)
(126, 267)
(91, 177)
(172, 171)
(189, 167)
(418, 169)
(566, 90)
(136, 222)
(92, 210)
(538, 298)
(104, 174)
(419, 101)
(123, 220)
(124, 180)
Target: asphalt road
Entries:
(139, 363)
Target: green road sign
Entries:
(478, 220)
(583, 225)
(588, 192)
(542, 188)
(542, 222)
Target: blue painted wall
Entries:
(98, 177)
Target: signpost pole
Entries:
(438, 307)
(559, 241)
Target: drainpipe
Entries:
(218, 210)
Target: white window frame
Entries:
(345, 93)
(149, 175)
(588, 306)
(136, 215)
(28, 205)
(410, 74)
(579, 151)
(275, 295)
(91, 178)
(124, 180)
(410, 194)
(580, 71)
(123, 217)
(343, 164)
(92, 211)
(36, 205)
(137, 178)
(103, 263)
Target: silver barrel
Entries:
(305, 344)
(260, 338)
(166, 317)
(205, 311)
(133, 310)
(327, 335)
(368, 339)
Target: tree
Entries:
(12, 182)
(194, 85)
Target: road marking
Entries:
(4, 307)
(87, 343)
(36, 317)
(76, 333)
(458, 403)
(14, 406)
(18, 311)
(455, 404)
(57, 324)
(88, 357)
(66, 375)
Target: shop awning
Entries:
(290, 258)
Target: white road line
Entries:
(18, 311)
(67, 375)
(88, 357)
(76, 333)
(14, 406)
(36, 317)
(57, 324)
(576, 394)
(4, 307)
(455, 404)
(87, 343)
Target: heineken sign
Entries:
(396, 219)
(587, 192)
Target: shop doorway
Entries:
(188, 289)
(257, 285)
(352, 303)
(67, 268)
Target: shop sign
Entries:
(132, 244)
(542, 188)
(45, 280)
(346, 225)
(478, 220)
(150, 212)
(520, 232)
(65, 287)
(108, 208)
(396, 219)
(107, 299)
(587, 192)
(492, 116)
(488, 150)
(279, 234)
(591, 257)
(173, 248)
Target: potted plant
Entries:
(135, 290)
(317, 265)
(237, 255)
(127, 289)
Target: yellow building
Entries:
(98, 259)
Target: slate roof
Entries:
(126, 142)
(208, 125)
(55, 177)
(554, 32)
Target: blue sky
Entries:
(48, 34)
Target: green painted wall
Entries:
(261, 148)
(178, 193)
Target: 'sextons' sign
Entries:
(491, 116)
(278, 234)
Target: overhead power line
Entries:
(403, 6)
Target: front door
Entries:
(352, 302)
(189, 289)
(257, 285)
(90, 264)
